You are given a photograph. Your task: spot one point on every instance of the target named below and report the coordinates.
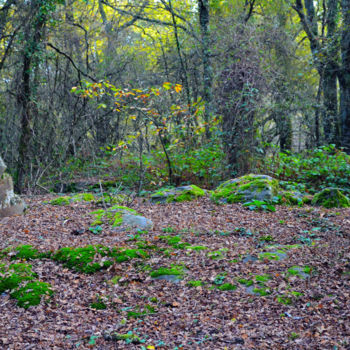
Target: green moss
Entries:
(262, 291)
(194, 283)
(115, 280)
(127, 337)
(86, 197)
(227, 286)
(91, 258)
(245, 282)
(112, 216)
(270, 255)
(29, 252)
(32, 293)
(301, 271)
(13, 275)
(83, 259)
(190, 194)
(262, 278)
(61, 201)
(198, 247)
(331, 198)
(283, 299)
(179, 195)
(174, 241)
(176, 270)
(235, 191)
(141, 312)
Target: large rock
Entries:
(246, 189)
(331, 198)
(10, 204)
(122, 219)
(178, 194)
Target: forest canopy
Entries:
(168, 91)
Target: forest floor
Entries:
(289, 272)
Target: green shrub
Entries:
(318, 169)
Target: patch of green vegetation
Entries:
(141, 312)
(284, 299)
(245, 282)
(112, 216)
(217, 254)
(194, 283)
(115, 280)
(301, 271)
(174, 241)
(235, 191)
(220, 278)
(270, 255)
(190, 194)
(198, 247)
(227, 286)
(62, 201)
(13, 275)
(32, 293)
(259, 205)
(331, 198)
(90, 259)
(86, 197)
(267, 238)
(84, 259)
(169, 229)
(175, 270)
(28, 252)
(129, 337)
(294, 336)
(98, 305)
(96, 229)
(262, 291)
(263, 278)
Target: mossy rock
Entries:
(331, 198)
(178, 194)
(246, 189)
(294, 198)
(66, 200)
(122, 217)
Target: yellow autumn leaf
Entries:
(151, 347)
(167, 85)
(178, 88)
(133, 117)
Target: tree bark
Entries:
(345, 77)
(24, 96)
(204, 21)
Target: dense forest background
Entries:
(153, 92)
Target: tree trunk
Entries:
(24, 98)
(345, 77)
(204, 20)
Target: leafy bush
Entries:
(318, 169)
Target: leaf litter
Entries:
(283, 311)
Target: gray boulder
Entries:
(136, 222)
(10, 203)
